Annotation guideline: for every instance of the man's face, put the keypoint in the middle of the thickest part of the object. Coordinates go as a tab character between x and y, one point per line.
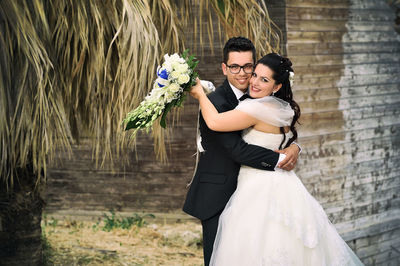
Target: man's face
241	79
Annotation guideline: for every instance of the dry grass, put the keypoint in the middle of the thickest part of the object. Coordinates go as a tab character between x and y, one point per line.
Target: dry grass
85	243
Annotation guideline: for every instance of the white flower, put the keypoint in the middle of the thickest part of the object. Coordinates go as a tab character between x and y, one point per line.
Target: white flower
175	65
162	82
291	78
182	68
169	97
183	79
155	94
174	88
175	74
167	66
176	58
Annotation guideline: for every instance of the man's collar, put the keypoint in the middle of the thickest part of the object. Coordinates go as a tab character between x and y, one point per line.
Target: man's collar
238	93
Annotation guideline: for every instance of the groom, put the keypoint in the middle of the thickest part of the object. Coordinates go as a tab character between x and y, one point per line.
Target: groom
215	179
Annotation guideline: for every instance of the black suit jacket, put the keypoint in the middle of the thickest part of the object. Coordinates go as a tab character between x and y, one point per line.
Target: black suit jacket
216	177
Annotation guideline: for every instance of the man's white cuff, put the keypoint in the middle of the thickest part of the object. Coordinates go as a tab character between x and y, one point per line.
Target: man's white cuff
297	146
199	146
281	158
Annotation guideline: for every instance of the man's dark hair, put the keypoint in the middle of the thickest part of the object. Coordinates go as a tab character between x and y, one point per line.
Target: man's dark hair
238	44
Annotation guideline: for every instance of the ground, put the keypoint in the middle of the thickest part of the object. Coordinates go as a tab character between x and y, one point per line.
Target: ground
115	241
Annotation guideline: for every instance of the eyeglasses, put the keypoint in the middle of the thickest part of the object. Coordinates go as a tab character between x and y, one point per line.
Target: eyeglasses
235	69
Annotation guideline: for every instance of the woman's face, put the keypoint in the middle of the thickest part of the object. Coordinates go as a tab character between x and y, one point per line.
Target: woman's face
261	83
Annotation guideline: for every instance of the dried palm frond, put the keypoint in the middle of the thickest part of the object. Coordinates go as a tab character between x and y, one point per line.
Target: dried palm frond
31	110
108	62
169	26
73	69
70	70
248	18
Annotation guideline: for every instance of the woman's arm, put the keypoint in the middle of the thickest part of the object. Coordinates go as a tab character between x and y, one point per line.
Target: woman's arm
227	121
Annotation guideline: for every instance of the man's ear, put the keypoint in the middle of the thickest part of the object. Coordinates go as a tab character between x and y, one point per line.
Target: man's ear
224	68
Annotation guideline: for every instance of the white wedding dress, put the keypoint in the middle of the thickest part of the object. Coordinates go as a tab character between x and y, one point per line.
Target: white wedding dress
272	219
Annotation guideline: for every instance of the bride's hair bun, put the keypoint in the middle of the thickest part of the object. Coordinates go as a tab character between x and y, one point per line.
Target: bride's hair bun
286	64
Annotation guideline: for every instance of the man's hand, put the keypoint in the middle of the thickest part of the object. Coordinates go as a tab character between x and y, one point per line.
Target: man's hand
292	154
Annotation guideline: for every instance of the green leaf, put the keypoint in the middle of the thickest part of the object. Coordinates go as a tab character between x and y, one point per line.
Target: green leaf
164	115
180	100
130	125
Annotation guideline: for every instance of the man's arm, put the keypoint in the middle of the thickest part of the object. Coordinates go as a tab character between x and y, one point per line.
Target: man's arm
256	156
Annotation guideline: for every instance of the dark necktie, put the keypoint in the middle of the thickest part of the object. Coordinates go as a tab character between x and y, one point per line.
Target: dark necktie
245	96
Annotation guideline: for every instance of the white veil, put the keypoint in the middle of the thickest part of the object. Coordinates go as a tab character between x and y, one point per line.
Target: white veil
269	109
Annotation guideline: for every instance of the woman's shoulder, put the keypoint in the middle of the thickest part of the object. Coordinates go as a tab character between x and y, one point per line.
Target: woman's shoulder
269	110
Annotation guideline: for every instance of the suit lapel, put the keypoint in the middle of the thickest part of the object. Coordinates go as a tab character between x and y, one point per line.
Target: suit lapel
230	95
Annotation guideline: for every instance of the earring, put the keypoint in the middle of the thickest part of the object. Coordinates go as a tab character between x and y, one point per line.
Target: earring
273	93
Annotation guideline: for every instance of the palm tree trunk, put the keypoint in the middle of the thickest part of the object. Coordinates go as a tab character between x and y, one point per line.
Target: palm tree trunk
20	217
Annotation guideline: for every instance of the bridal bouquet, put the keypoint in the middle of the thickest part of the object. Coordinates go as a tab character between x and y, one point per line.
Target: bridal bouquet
175	76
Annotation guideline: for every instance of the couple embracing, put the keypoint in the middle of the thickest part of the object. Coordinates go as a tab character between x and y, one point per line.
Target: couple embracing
253	208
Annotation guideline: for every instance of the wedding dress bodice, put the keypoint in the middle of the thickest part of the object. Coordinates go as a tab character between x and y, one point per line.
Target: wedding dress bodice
267	140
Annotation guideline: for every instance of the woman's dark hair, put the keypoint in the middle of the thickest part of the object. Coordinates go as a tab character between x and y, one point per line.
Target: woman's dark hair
281	66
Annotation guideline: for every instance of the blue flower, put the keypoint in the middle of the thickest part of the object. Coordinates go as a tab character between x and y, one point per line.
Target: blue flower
162	74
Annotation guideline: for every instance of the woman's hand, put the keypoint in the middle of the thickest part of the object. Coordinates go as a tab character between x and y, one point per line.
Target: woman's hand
197	90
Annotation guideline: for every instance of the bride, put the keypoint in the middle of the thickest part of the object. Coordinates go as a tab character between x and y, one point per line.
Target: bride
271	219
